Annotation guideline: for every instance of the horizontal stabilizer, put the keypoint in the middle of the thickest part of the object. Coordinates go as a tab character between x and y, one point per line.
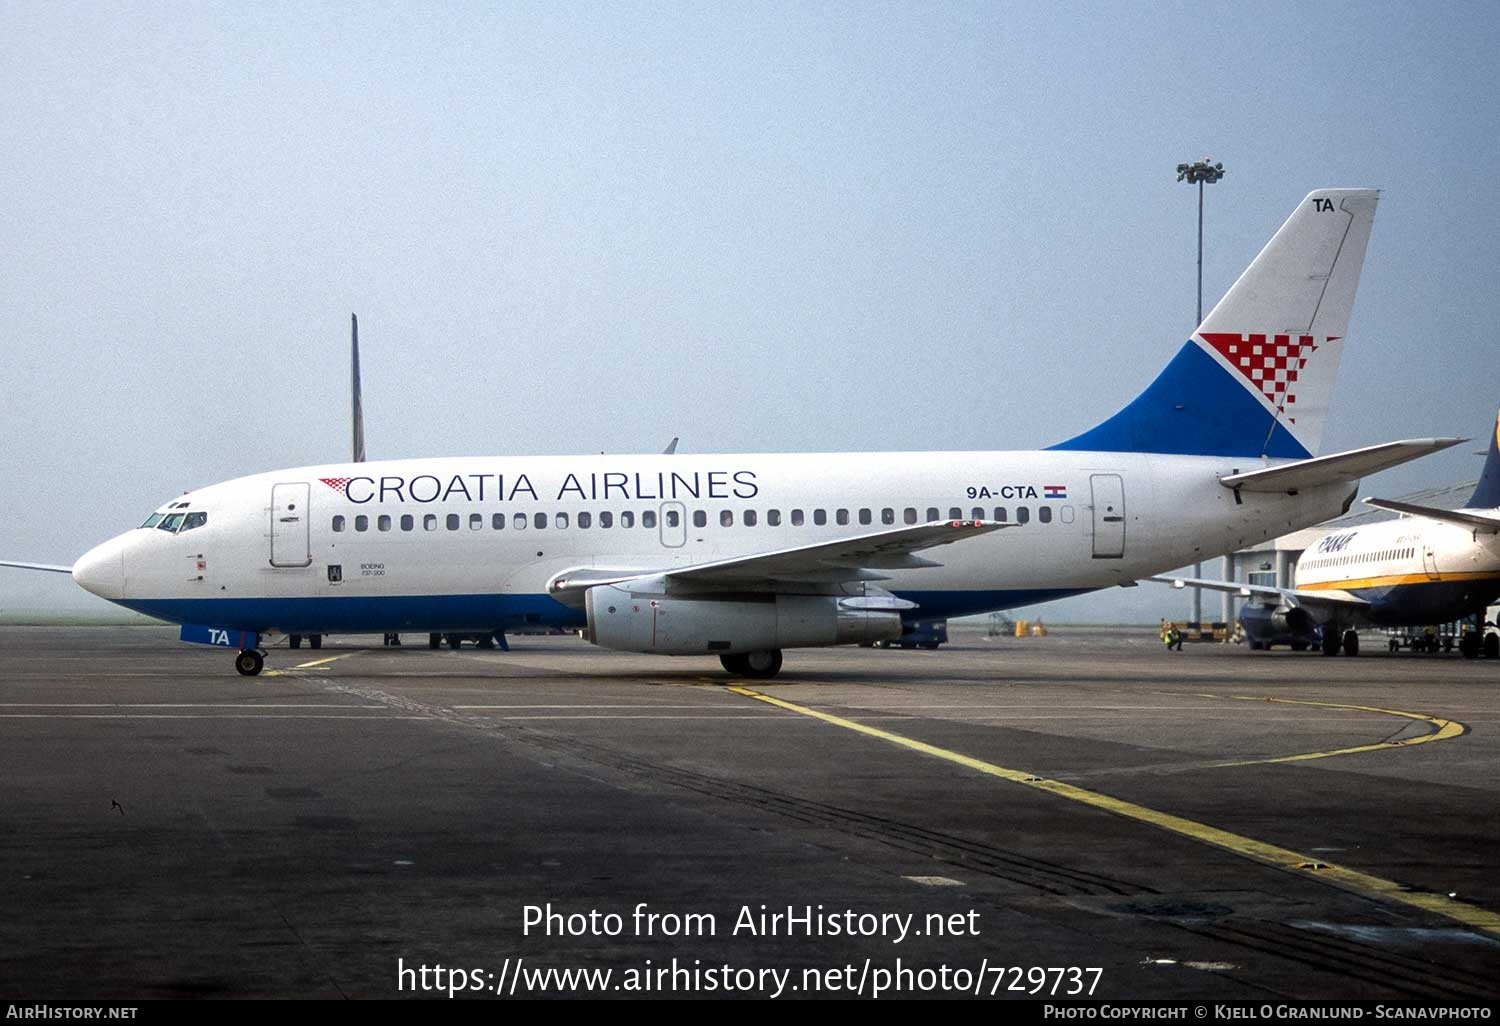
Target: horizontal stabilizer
1340	466
1484	523
49	567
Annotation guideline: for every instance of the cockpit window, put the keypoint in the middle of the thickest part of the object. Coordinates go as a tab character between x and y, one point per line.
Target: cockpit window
153	520
193	520
170	523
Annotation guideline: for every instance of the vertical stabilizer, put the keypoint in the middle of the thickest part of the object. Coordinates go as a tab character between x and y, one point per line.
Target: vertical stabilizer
1256	379
1487	492
356	406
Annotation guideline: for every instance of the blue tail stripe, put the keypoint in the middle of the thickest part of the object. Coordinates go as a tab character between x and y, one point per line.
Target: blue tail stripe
1487	492
1193	408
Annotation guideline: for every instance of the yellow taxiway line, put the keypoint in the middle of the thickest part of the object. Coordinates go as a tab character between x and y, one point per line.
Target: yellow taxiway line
1259	851
1445	730
308	666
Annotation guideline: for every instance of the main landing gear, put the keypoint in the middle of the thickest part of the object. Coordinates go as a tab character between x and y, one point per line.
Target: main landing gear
1333	641
250	662
757	665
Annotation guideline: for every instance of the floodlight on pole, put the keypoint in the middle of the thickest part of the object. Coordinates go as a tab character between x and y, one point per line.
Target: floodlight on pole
1200	173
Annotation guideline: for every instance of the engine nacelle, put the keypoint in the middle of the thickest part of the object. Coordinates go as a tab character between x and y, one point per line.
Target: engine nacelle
747	622
1292	620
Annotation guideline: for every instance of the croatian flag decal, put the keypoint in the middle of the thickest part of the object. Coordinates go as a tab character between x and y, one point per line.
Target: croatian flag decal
1054	491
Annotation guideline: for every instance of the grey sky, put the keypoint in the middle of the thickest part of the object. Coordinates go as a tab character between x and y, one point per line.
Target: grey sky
575	227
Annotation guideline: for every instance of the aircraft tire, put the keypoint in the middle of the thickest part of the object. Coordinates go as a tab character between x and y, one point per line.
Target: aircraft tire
1332	643
763	665
249	663
1468	645
488	641
294	640
932	646
455	641
434	641
735	663
1351	643
315	640
1492	646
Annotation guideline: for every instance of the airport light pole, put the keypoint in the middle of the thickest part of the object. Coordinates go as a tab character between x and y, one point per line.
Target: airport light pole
1199	173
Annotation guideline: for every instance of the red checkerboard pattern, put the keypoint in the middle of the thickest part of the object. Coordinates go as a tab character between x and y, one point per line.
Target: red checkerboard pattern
1270	363
338	484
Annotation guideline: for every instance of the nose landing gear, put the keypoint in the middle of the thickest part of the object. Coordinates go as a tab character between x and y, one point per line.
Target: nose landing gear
249	662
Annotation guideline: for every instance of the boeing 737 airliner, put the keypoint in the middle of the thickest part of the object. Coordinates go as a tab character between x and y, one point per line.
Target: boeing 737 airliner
1431	566
742	556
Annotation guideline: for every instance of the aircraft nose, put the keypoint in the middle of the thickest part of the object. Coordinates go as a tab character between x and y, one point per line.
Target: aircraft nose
101	569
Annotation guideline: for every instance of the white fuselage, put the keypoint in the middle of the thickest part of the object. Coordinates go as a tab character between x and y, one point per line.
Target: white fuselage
1411	571
472	543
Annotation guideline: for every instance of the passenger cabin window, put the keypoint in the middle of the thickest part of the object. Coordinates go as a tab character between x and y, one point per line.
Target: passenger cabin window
361	523
750	518
648	518
452	521
954	513
888	516
1044	514
627	519
933	514
726	518
1023	514
672	517
193	520
978	513
518	521
429	522
865	516
384	522
560	521
773	518
408	522
820	517
700	518
909	515
539	521
796	518
497	522
606	520
585	521
841	517
476	521
338	523
1000	514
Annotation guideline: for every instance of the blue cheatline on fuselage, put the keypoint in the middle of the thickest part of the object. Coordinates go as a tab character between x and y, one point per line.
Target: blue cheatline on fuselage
1193	408
1400	605
485	612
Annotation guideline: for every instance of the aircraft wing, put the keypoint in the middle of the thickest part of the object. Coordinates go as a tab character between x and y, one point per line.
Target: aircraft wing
51	567
1484	523
1296	597
855	558
1338	466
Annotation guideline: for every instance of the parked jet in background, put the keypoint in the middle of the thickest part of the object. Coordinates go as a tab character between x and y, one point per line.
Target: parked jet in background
1430	566
742	556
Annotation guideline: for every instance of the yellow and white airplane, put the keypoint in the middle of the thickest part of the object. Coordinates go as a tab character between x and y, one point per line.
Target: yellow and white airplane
1429	566
742	556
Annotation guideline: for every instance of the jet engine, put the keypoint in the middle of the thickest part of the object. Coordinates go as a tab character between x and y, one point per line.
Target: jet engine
630	620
